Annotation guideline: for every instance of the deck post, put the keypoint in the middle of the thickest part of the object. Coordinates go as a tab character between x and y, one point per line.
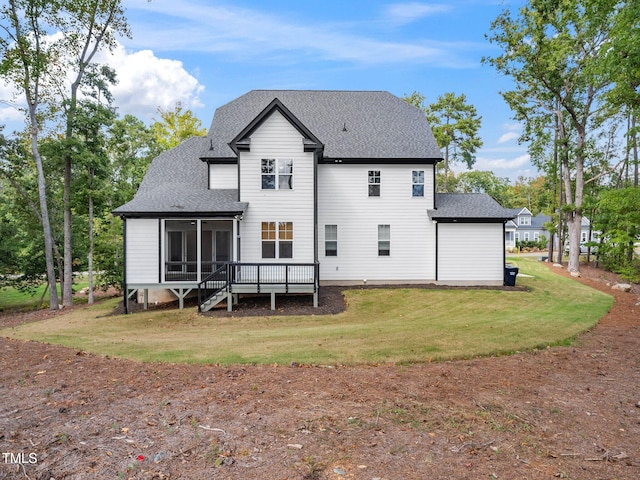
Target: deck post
181	293
146	299
229	301
273	300
315	299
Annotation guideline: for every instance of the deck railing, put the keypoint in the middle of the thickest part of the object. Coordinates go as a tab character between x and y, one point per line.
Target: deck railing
258	274
188	271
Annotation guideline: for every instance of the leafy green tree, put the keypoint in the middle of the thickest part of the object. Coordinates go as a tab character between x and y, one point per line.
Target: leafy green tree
455	124
552	51
534	193
618	219
484	182
25	63
176	126
88	27
130	147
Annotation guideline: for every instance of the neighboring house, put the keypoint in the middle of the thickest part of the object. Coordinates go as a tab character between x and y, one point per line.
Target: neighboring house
525	227
294	189
528	227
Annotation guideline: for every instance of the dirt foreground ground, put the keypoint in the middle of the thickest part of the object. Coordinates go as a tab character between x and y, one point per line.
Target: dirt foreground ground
564	412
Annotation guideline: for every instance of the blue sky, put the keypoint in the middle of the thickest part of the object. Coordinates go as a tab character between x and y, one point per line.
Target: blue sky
205	53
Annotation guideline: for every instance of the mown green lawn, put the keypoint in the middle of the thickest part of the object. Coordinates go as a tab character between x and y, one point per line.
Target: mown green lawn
12	299
379	326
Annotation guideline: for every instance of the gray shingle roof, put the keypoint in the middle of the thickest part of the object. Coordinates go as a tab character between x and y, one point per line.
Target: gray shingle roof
468	206
176	182
378	124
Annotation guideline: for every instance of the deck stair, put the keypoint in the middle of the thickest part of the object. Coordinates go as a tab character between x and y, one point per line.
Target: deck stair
214	289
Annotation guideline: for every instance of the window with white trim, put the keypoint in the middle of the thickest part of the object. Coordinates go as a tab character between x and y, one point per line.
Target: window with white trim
277	239
384	240
526	236
374	183
536	236
524	220
331	240
277	174
417	183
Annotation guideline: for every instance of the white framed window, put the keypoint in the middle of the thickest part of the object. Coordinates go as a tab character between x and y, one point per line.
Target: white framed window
331	240
524	220
517	236
417	183
583	236
384	240
374	183
277	174
526	236
536	236
277	239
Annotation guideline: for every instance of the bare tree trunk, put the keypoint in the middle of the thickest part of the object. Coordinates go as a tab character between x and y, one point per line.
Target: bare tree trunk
635	152
44	210
575	217
90	254
67	287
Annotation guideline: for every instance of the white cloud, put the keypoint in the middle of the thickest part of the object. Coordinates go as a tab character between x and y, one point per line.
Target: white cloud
404	13
146	82
10	115
507	137
484	163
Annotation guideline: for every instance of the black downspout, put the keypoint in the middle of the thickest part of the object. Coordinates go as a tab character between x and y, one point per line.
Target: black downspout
436	250
160	257
315	212
504	250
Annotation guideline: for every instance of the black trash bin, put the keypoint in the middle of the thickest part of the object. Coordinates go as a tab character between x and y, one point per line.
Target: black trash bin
510	273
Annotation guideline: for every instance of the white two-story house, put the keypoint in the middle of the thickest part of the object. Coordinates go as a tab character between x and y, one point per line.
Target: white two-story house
291	190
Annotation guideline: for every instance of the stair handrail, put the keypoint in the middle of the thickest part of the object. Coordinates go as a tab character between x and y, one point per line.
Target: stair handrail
202	286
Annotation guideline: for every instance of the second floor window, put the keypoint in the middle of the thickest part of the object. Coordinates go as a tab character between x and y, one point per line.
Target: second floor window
374	183
417	183
524	220
277	174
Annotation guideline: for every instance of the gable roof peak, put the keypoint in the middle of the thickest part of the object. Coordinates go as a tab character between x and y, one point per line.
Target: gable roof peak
379	124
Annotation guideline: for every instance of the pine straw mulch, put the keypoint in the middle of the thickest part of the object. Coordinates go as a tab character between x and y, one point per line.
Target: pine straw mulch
562	412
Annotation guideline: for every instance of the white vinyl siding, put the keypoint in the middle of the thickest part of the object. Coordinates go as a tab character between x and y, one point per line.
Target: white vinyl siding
142	247
343	201
460	262
223	176
276	138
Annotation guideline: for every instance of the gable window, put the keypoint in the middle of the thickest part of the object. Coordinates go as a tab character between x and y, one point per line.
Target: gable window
277	239
331	240
277	174
384	240
417	183
524	220
374	183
